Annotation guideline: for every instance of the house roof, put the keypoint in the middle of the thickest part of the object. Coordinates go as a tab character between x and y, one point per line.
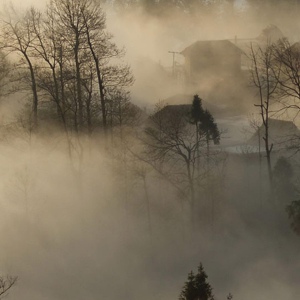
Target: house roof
182	109
216	45
181	99
280	131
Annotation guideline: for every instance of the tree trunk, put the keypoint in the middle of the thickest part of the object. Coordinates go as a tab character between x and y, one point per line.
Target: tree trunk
148	206
99	79
34	92
78	83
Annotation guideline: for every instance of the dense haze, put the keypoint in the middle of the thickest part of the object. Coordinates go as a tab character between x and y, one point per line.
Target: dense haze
77	227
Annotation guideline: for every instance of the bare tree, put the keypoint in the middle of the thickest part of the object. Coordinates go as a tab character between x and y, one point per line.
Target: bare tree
287	56
82	26
256	125
16	37
70	26
172	148
46	50
264	78
102	49
71	59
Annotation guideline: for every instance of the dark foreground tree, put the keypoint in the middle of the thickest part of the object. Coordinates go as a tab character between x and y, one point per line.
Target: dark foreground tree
197	287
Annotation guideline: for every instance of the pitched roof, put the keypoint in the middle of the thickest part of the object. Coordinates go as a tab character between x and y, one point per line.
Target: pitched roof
219	45
180	99
180	109
280	131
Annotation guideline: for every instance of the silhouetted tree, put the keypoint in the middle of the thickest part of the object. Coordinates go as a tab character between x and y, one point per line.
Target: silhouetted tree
120	111
196	117
197	110
70	60
263	76
197	287
205	124
189	291
17	37
209	129
287	60
172	147
110	78
206	129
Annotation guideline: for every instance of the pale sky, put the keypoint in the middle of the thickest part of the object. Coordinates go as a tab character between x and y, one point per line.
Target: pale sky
25	3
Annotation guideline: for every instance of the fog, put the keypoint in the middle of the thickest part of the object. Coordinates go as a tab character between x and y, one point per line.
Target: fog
76	226
71	239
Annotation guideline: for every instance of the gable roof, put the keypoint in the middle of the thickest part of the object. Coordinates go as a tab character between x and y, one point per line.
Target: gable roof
214	45
179	110
280	131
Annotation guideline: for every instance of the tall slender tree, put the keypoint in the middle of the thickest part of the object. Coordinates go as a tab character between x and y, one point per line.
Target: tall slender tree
196	118
17	37
263	76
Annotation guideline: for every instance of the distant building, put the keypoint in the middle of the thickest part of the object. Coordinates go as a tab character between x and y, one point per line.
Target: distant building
282	134
218	70
223	58
179	112
212	58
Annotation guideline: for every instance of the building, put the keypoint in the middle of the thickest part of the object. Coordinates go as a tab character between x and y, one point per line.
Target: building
212	58
282	134
223	58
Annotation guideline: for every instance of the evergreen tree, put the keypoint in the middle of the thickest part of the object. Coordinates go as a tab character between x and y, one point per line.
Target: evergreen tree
209	128
204	290
196	117
197	110
204	121
189	291
197	287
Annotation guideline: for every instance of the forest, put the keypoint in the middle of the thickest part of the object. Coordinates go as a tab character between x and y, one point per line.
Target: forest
150	149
